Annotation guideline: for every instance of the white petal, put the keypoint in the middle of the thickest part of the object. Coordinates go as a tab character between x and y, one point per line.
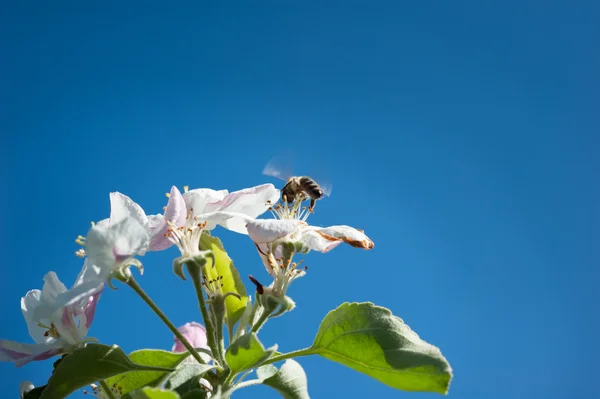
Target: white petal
105	248
52	287
269	230
198	199
253	201
230	220
121	207
29	303
88	272
323	238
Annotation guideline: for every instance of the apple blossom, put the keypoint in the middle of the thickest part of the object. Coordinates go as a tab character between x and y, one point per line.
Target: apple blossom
55	329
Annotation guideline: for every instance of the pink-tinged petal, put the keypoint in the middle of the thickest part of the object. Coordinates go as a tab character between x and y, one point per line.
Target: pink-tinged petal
19	353
199	198
29	304
71	297
269	230
175	213
195	333
122	207
316	237
253	201
90	307
65	326
25	387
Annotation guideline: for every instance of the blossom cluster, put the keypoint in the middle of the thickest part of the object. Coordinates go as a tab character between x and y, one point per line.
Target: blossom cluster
58	318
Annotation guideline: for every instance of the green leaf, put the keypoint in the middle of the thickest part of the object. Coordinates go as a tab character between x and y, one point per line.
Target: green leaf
246	353
371	340
290	380
154	393
148	357
231	278
187	376
89	364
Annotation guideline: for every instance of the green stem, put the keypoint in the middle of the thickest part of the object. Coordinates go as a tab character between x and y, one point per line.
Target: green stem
289	355
247	384
138	290
261	320
107	390
229	380
195	272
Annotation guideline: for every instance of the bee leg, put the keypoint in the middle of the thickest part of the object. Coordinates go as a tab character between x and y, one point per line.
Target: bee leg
311	208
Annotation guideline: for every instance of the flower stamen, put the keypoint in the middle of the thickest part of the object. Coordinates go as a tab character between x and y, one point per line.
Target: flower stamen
80	240
51	330
212	287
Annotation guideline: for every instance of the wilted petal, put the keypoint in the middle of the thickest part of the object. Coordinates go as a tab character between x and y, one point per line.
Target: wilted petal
253	201
175	213
29	303
199	198
195	333
25	387
21	354
324	239
269	230
122	207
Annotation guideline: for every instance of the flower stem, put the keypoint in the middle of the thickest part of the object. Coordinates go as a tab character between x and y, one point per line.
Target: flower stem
289	355
261	320
195	271
138	290
106	389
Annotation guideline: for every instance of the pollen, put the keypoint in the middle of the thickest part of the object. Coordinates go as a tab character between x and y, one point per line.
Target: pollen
80	253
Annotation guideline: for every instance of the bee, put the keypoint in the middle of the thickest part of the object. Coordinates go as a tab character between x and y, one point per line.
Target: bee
297	187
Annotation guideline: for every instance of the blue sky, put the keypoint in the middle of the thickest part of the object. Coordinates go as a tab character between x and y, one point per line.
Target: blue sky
461	136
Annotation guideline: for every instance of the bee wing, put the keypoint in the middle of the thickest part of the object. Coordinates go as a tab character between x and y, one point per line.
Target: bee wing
326	188
279	167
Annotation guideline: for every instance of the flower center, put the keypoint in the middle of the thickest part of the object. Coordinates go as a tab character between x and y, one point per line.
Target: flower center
284	272
186	237
295	211
212	287
51	330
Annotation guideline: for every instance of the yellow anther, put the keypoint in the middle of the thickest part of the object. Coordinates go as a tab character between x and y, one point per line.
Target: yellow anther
80	253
